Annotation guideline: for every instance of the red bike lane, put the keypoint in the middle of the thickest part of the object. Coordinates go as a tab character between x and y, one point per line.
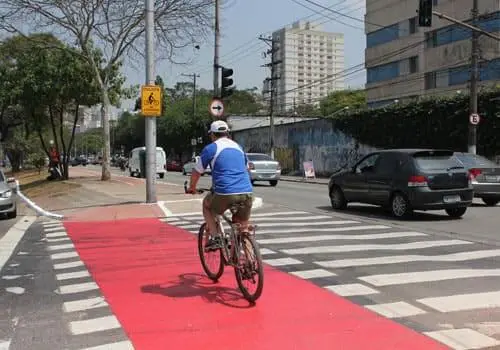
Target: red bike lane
151	276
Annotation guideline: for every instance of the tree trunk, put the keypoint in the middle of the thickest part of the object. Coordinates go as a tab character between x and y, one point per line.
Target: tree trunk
106	154
15	159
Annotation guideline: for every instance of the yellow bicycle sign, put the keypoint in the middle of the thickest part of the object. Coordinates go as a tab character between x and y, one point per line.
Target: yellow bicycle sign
151	100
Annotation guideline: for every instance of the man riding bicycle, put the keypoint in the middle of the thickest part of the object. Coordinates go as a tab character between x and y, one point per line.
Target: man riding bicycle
231	182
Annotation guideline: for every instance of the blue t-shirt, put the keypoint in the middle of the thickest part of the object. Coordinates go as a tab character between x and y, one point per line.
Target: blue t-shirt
229	167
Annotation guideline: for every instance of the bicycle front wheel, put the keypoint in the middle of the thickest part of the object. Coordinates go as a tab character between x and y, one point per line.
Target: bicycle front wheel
211	258
249	270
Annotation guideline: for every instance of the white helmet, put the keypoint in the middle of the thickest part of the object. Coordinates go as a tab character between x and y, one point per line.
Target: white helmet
218	126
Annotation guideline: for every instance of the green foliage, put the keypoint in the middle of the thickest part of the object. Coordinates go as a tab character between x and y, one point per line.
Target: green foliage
430	123
335	101
47	81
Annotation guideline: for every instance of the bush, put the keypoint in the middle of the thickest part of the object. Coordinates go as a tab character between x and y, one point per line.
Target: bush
430	123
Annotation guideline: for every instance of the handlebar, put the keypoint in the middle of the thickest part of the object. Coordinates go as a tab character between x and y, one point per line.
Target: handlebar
198	190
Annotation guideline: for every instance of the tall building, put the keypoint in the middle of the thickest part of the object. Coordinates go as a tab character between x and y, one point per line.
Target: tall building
405	61
311	67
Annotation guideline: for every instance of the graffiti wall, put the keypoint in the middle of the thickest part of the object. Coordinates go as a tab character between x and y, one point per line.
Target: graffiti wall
316	140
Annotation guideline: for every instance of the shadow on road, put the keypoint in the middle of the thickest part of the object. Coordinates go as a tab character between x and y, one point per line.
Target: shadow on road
193	285
375	212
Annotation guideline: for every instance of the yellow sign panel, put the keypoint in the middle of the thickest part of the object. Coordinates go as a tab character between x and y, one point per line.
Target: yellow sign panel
151	100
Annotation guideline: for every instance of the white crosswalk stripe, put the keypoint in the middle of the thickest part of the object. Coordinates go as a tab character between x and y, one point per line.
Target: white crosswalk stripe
401	274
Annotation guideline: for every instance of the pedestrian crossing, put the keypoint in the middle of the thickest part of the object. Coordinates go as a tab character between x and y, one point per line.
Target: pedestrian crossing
75	314
446	288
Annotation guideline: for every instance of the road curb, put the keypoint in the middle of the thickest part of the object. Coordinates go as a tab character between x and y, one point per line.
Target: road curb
39	210
304	181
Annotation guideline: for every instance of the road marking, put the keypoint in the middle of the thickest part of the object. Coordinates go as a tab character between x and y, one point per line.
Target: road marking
70	275
68	265
78	288
4	344
12	237
61	246
391	279
170	219
15	290
65	255
462	338
282	262
259	215
352	289
85	304
398	259
309	224
163	208
53	229
122	345
61	239
188	227
463	302
326	229
395	310
367	247
52	224
317	273
94	325
265	251
56	234
340	237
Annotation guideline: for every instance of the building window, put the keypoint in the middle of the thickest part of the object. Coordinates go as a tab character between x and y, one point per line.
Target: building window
430	80
413	25
458	76
383	72
454	33
413	64
382	36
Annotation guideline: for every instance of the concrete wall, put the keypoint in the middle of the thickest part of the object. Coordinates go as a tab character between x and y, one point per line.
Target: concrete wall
296	143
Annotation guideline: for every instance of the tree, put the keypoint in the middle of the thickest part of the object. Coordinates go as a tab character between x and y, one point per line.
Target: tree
10	113
335	101
114	29
53	85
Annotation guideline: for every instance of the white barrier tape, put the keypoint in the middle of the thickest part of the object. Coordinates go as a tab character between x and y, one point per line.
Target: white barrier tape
35	207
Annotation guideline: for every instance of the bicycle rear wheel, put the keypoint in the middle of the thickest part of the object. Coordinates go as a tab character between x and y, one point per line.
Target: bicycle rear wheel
216	269
249	268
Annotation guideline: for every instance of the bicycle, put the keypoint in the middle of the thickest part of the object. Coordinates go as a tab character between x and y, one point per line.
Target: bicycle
229	248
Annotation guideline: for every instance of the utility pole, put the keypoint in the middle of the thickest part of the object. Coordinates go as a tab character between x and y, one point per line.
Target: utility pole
150	121
474	77
194	75
216	50
272	89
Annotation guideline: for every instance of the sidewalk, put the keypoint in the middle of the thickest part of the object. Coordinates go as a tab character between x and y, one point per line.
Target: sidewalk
86	198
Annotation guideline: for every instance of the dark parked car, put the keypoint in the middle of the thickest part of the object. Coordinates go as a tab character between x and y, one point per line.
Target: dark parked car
404	180
485	176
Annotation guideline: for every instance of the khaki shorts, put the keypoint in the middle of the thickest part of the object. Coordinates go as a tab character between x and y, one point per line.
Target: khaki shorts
218	204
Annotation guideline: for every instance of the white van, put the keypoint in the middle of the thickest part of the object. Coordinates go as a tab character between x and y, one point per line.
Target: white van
134	162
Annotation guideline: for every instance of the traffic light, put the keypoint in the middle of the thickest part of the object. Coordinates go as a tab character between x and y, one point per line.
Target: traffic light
425	13
226	88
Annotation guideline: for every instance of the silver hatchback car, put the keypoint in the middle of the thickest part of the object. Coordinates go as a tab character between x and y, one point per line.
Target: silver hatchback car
264	168
8	205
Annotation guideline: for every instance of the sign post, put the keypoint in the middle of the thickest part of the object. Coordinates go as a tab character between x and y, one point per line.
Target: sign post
151	100
216	108
474	119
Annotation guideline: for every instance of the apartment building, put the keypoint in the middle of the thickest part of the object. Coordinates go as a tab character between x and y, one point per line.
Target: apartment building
404	61
312	62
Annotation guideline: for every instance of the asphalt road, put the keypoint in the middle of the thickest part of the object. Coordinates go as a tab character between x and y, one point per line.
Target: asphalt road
479	224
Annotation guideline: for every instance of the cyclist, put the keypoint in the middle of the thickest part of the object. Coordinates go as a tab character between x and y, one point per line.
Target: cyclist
231	182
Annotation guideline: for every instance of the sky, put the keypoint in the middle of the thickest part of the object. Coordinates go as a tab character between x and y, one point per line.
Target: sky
243	21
